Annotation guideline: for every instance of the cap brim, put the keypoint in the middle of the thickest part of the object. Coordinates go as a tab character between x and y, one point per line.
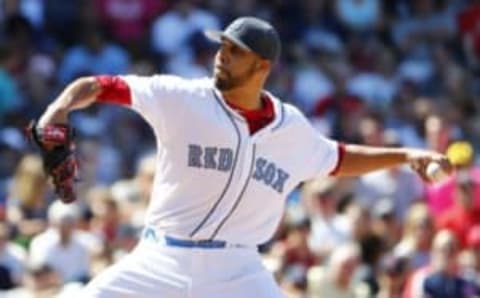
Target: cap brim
216	36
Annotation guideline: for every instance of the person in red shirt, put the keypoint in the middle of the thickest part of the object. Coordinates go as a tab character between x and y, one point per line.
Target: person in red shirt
128	21
469	31
464	214
473	243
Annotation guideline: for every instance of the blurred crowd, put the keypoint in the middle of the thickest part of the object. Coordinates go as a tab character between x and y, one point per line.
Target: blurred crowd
383	73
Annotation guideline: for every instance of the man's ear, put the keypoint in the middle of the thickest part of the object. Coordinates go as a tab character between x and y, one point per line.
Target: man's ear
263	65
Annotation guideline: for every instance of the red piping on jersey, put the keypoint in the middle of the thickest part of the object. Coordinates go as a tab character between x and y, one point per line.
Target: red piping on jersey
341	155
114	90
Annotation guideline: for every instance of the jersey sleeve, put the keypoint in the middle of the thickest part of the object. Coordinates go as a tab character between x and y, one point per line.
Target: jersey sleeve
149	94
156	98
323	155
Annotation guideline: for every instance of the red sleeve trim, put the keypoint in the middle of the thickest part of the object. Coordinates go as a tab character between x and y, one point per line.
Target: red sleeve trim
114	90
341	155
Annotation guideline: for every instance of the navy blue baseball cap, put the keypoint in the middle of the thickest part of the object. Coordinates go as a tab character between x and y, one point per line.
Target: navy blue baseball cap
252	34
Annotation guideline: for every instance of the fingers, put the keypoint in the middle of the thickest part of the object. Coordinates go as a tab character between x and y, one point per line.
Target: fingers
420	160
419	165
446	165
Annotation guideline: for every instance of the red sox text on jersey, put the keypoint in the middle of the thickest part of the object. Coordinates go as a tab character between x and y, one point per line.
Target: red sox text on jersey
221	159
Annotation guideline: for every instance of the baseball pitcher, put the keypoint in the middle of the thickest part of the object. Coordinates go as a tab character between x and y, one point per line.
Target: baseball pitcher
229	153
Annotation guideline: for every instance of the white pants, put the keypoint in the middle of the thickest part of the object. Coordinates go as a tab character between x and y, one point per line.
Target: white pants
160	271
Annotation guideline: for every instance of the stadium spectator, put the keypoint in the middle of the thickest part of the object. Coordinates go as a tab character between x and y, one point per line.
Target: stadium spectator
128	21
60	247
28	197
328	229
13	260
396	73
444	279
392	276
62	18
384	222
296	257
440	197
40	281
467	22
9	93
361	16
401	184
95	55
473	244
463	215
417	236
171	30
336	280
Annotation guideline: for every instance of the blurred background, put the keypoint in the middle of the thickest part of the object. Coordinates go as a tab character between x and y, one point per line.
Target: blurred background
389	73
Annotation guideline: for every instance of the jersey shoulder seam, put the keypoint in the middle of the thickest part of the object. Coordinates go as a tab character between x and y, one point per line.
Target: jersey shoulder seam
282	117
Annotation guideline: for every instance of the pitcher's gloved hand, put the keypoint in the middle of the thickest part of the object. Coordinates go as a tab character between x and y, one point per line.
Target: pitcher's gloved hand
55	142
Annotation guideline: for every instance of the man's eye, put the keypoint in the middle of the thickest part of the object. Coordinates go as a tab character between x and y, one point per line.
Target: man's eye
236	51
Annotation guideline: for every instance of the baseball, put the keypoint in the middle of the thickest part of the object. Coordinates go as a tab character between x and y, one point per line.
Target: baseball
435	172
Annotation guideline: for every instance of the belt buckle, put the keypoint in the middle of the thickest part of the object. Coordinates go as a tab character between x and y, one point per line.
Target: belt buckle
207	243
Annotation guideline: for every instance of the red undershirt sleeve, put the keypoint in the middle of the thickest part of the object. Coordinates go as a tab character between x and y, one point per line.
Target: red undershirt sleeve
114	90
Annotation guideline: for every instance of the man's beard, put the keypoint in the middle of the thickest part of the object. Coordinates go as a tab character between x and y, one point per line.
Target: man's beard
223	84
228	82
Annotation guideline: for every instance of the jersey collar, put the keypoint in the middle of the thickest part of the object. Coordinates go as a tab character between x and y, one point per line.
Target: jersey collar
277	108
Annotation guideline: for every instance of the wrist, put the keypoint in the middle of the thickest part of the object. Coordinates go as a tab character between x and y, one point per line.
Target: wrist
53	115
407	154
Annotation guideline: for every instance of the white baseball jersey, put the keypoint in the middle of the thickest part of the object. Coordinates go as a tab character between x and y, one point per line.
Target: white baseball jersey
214	180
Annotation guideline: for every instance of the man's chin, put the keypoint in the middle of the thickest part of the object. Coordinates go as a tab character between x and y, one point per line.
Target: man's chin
221	84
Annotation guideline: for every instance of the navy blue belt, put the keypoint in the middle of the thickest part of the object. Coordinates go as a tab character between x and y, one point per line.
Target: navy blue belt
150	233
